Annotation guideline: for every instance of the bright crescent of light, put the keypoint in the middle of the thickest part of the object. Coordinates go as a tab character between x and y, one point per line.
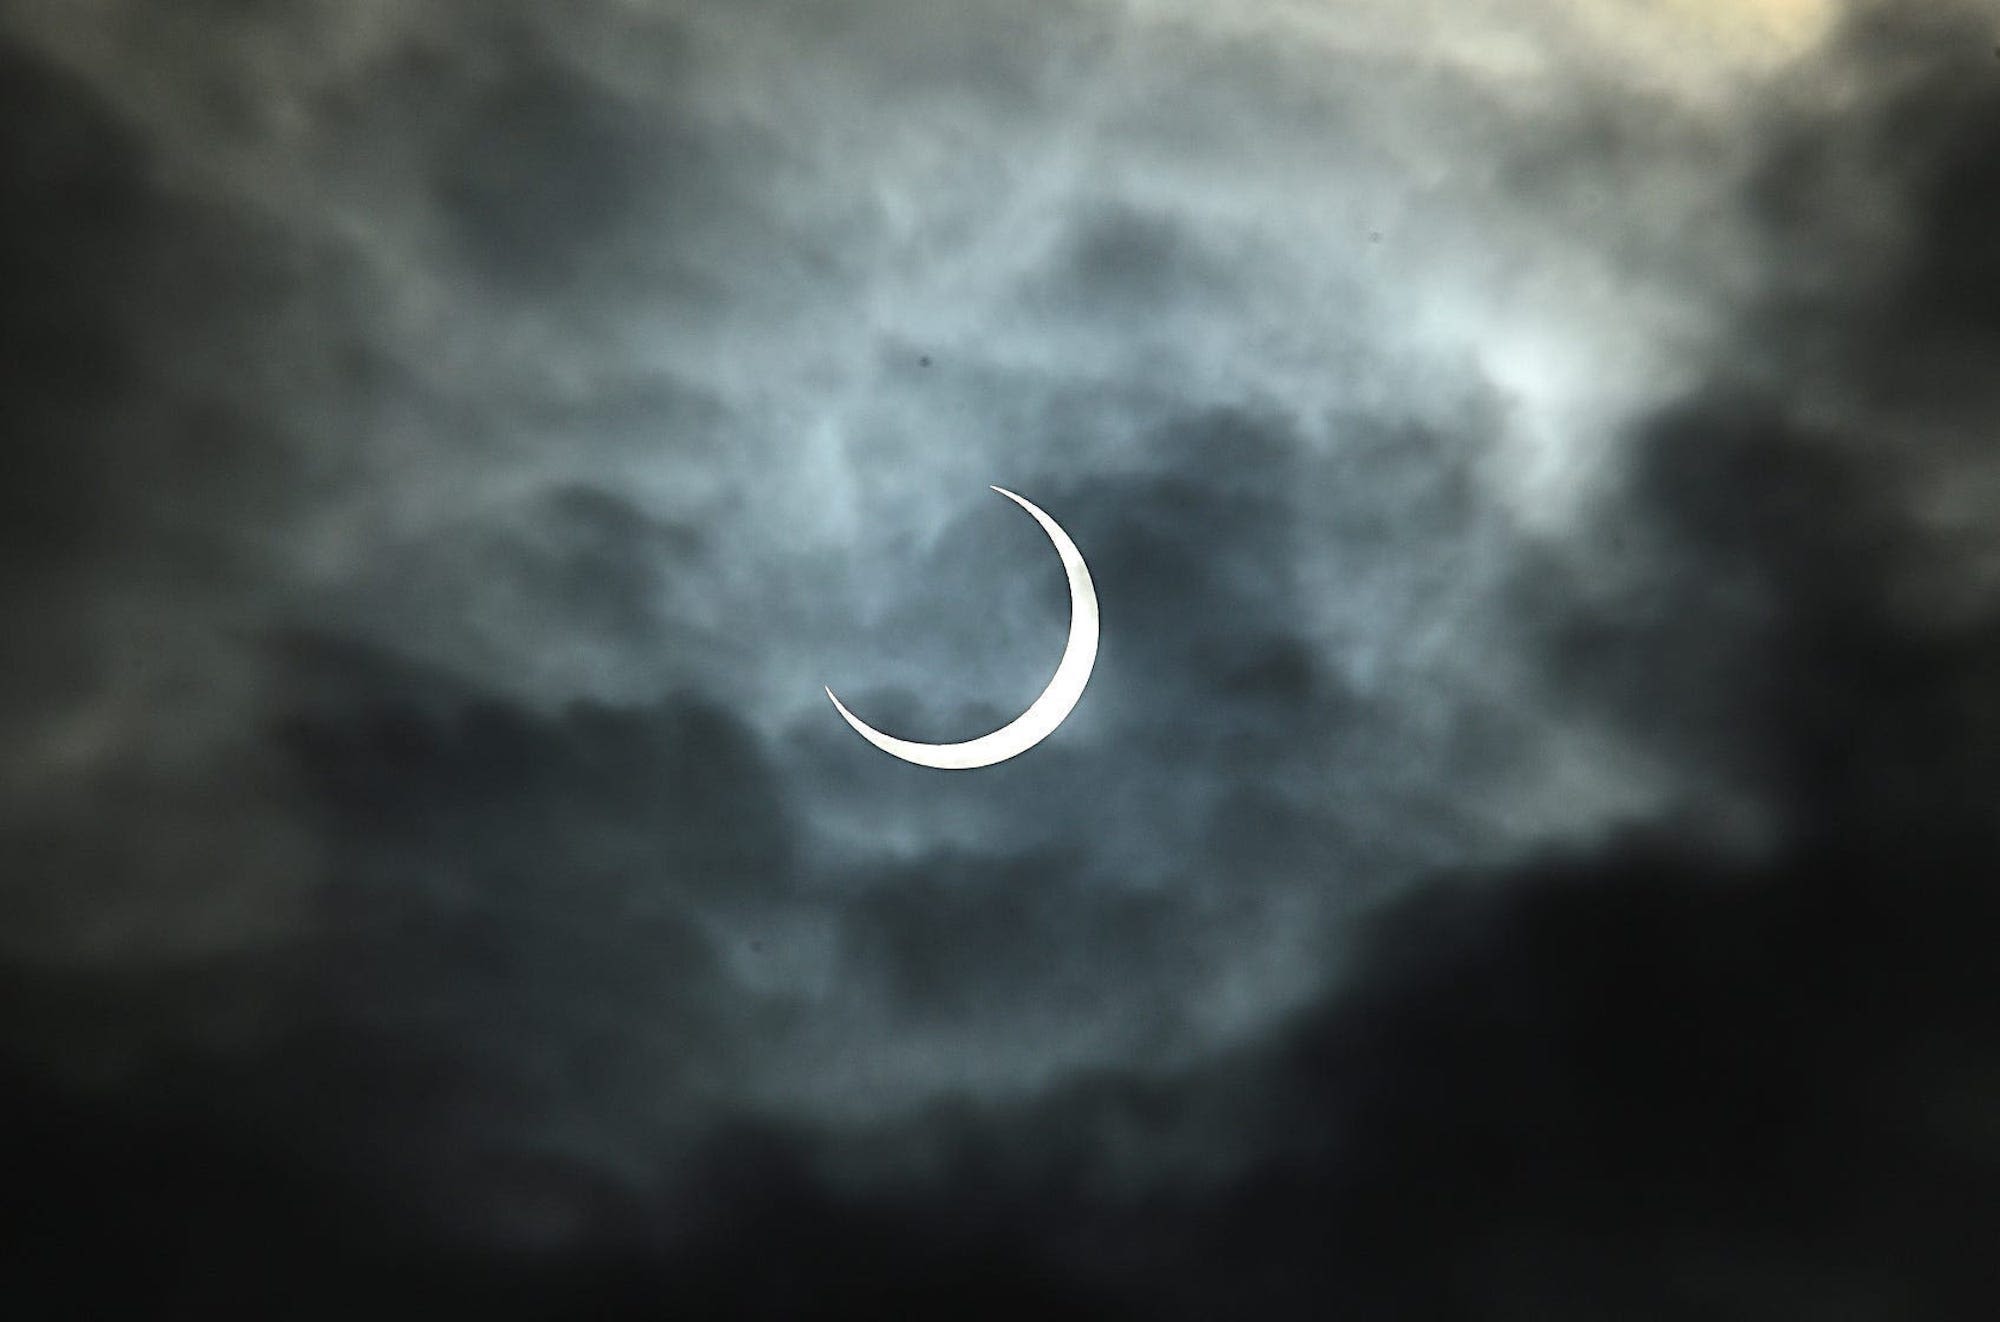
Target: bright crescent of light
1046	712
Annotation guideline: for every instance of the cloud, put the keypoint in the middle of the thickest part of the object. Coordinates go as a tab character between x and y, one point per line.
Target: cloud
1534	486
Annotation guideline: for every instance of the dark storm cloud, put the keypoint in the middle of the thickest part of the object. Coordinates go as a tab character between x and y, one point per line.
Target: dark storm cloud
459	441
132	481
541	176
1127	263
551	909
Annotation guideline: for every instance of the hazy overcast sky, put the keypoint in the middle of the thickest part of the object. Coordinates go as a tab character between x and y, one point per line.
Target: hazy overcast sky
1537	461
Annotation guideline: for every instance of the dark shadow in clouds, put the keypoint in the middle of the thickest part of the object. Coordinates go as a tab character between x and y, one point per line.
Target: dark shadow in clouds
542	177
124	456
1915	326
527	916
1123	266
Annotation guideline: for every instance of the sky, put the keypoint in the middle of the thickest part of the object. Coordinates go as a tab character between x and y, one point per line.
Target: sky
1525	849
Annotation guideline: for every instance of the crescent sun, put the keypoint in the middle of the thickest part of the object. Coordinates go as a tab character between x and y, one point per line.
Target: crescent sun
1046	712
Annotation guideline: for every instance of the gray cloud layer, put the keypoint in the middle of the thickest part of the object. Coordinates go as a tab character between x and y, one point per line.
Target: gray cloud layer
456	442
